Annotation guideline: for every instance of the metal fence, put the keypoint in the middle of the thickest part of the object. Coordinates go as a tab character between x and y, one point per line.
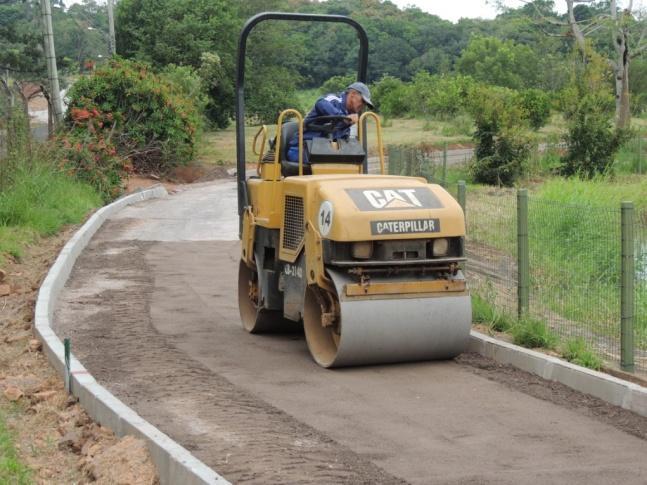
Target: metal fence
564	265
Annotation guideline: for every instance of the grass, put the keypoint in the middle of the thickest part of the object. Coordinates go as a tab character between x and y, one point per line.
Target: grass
577	352
38	202
487	314
574	237
533	333
11	469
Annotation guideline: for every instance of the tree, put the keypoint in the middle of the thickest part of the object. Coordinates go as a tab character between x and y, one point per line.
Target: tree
500	62
180	32
619	35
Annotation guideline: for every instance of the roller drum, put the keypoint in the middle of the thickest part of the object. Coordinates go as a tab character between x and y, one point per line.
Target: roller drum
376	331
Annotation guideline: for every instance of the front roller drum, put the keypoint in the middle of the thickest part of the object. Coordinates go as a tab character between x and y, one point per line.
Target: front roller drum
379	331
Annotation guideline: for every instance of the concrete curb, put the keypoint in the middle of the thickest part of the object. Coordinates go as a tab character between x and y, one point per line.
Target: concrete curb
174	463
608	388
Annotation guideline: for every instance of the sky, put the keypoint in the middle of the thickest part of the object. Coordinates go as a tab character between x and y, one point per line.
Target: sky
455	9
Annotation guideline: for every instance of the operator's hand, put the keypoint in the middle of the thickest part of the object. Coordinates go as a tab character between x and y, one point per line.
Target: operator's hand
352	118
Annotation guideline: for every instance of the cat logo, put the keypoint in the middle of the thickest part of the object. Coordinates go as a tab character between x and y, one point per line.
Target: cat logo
394	199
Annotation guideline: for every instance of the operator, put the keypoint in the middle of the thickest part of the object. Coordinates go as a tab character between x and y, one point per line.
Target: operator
350	103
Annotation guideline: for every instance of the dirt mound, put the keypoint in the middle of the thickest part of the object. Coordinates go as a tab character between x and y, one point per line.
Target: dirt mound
125	462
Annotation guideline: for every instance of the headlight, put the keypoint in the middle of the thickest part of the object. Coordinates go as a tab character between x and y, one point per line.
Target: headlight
362	250
441	246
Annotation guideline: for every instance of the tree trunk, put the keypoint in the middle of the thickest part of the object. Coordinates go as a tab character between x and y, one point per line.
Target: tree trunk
623	101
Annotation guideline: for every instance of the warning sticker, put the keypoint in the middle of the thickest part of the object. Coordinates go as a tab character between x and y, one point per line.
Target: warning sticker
407	226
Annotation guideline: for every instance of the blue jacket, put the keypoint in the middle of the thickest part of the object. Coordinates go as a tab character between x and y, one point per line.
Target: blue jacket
330	104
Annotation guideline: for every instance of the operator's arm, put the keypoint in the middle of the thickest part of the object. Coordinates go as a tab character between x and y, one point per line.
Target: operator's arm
329	105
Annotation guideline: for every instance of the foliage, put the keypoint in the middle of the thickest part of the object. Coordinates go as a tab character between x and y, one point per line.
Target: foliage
200	33
123	115
532	333
577	352
501	146
40	199
536	104
20	39
500	62
588	108
337	84
440	96
392	97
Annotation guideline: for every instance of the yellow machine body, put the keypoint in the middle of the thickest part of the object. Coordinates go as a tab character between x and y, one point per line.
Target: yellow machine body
370	263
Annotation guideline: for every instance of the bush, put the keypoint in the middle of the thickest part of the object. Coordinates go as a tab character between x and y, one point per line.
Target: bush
536	104
440	96
392	97
337	84
588	109
502	148
577	352
124	116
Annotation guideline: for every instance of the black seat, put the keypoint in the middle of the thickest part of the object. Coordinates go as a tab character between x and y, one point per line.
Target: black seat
290	129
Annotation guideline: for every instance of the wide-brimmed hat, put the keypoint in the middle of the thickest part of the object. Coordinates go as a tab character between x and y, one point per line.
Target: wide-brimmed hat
362	89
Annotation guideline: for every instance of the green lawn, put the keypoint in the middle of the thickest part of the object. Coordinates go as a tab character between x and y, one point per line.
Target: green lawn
39	201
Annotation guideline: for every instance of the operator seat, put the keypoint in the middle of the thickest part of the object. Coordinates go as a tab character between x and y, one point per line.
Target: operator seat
289	168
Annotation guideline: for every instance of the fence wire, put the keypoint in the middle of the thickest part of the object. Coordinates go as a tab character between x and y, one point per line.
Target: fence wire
575	273
491	248
640	300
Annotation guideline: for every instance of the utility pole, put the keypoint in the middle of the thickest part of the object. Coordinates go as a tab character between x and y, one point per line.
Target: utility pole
50	54
112	45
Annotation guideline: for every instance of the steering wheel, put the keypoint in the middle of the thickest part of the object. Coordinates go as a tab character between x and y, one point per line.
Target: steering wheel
326	124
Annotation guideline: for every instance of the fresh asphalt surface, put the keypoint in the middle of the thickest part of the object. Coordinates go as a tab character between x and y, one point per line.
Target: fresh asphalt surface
151	310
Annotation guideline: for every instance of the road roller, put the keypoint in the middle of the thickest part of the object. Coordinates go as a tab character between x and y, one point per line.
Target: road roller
369	264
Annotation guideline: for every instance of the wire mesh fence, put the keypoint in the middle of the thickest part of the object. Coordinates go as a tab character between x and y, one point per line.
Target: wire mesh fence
575	273
428	161
491	246
640	301
574	257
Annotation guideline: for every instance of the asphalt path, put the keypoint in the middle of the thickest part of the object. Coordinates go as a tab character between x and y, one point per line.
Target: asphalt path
151	309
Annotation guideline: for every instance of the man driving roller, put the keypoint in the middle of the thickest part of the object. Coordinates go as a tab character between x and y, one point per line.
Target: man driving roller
349	104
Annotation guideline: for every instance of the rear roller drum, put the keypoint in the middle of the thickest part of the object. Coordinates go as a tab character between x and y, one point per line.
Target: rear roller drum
255	318
322	335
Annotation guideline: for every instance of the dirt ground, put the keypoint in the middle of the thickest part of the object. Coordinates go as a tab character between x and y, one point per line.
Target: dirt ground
54	437
151	309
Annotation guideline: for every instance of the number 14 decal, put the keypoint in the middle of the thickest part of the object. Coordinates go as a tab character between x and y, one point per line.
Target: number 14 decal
325	217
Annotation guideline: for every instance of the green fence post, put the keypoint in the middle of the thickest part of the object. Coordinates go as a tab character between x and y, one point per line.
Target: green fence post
627	288
444	180
461	194
640	155
68	375
523	254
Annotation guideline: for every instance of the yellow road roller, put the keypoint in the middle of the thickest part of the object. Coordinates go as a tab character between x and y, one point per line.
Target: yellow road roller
369	263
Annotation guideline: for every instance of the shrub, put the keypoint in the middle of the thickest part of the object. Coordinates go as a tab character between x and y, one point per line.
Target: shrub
532	334
439	96
122	116
536	104
577	352
392	97
337	84
588	109
502	148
